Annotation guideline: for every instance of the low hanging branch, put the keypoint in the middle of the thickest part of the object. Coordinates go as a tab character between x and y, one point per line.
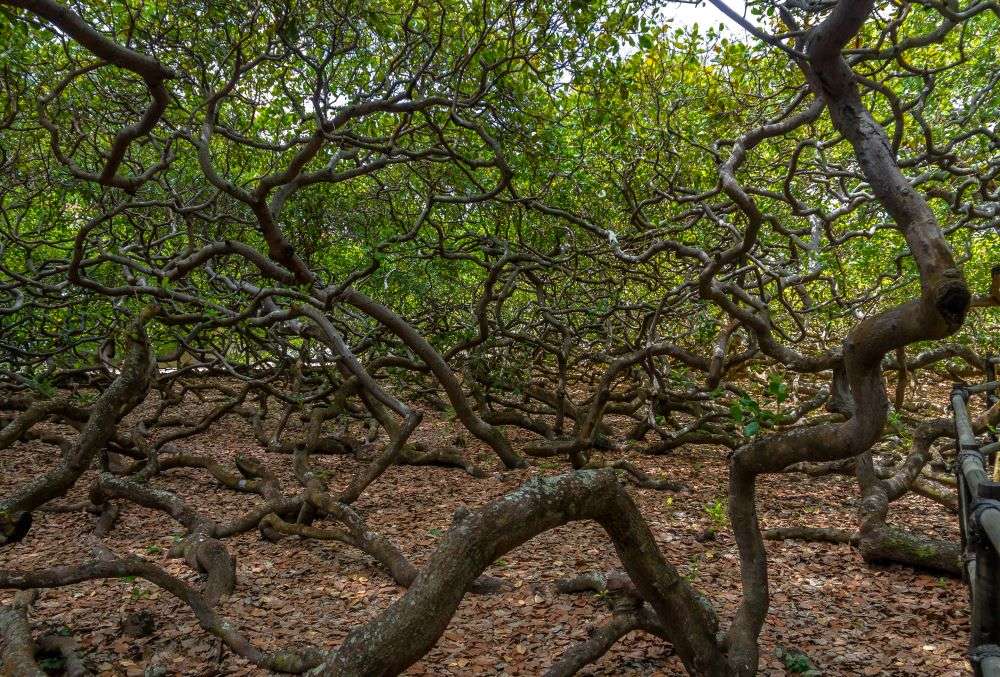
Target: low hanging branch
368	233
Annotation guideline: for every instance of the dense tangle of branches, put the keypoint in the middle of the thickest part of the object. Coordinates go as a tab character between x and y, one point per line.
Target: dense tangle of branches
328	218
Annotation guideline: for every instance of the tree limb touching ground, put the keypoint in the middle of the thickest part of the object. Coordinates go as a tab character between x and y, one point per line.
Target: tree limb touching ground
576	235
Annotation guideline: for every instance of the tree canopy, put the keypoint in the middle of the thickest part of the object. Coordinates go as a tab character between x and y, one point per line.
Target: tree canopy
578	229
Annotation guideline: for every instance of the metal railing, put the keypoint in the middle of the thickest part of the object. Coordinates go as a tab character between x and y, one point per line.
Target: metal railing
979	518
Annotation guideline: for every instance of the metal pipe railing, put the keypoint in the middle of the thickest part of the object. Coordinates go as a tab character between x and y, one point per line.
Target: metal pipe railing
979	519
991	399
989	520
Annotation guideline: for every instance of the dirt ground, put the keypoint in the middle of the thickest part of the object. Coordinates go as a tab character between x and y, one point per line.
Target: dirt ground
847	617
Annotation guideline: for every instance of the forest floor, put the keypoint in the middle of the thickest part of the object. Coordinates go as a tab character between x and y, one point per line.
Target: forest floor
848	617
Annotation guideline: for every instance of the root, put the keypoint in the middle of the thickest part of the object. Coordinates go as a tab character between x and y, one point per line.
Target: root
66	647
280	661
449	456
890	545
814	534
629	613
18	656
641	478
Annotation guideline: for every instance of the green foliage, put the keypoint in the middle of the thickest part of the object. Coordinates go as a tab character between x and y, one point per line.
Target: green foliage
44	387
52	663
579	109
536	188
797	662
747	414
718	512
777	389
693	569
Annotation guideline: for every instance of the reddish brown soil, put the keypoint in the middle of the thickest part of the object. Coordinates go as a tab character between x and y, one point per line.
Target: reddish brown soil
848	617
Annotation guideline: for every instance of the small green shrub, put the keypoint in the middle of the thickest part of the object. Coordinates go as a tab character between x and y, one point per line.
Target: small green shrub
717	512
